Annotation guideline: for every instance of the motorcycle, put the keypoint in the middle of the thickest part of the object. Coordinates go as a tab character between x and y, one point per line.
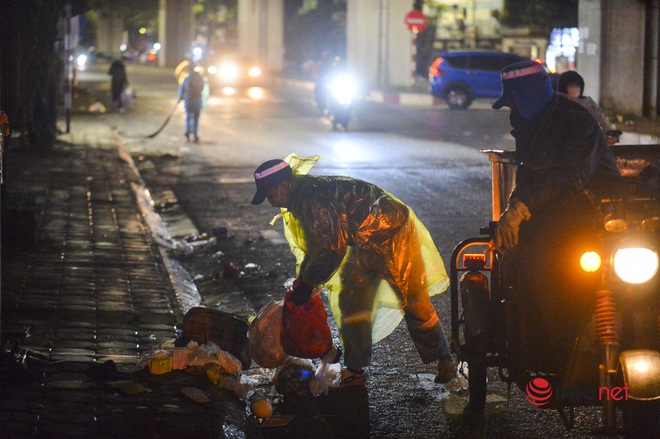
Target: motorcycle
342	91
613	360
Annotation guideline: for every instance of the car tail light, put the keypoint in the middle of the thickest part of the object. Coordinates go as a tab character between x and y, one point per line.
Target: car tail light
434	70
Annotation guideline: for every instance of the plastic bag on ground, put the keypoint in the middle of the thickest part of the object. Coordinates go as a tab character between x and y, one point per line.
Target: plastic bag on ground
211	354
264	336
228	362
327	374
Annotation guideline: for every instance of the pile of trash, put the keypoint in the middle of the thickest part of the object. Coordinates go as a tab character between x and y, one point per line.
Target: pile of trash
221	367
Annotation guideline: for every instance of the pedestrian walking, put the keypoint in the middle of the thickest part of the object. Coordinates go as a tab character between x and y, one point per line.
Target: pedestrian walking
118	81
190	91
350	236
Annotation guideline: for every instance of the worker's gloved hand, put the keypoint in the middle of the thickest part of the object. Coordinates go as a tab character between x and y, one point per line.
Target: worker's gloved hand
508	227
301	292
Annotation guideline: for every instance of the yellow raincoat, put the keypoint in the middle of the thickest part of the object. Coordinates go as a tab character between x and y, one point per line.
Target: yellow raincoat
331	220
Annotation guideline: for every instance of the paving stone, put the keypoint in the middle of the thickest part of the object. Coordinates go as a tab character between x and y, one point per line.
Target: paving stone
70	384
21	405
72	358
115	317
160	316
93	289
72	343
64	430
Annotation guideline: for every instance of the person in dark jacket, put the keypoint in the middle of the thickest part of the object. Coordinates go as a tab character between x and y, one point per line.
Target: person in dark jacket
190	91
354	235
118	81
571	84
563	164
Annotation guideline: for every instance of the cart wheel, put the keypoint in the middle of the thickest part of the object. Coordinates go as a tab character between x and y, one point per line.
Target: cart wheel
477	384
641	419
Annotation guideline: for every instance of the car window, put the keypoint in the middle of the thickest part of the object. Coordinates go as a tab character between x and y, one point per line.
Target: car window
508	60
458	62
488	63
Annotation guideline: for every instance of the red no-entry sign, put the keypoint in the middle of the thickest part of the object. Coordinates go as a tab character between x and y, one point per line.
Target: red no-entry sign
415	21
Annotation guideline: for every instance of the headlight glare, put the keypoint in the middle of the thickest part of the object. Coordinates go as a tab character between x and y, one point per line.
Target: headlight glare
635	265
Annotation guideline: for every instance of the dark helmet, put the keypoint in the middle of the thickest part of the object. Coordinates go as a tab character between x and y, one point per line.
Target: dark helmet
570	77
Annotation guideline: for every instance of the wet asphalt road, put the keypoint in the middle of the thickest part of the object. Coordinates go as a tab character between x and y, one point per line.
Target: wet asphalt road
428	157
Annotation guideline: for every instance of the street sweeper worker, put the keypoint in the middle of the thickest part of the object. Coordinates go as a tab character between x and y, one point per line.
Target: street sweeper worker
350	235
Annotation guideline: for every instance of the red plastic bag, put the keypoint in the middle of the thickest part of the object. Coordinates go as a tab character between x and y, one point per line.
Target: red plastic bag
305	330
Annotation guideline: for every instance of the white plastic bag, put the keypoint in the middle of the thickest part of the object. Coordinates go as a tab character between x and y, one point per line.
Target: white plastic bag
327	375
127	97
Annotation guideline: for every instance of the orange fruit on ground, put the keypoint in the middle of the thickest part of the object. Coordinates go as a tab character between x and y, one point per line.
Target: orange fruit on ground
261	408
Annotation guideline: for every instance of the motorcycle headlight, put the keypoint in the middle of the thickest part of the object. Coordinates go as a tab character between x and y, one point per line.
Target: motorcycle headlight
81	60
635	264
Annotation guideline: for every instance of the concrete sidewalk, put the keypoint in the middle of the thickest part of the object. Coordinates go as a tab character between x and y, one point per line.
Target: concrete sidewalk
90	286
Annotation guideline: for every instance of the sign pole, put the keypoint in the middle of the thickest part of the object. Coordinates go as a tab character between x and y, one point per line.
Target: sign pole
413	58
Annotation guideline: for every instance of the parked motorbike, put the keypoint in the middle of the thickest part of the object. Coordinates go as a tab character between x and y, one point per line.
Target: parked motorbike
613	361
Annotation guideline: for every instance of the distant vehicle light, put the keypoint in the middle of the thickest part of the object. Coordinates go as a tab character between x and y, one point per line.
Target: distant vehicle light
635	265
255	93
228	72
81	60
254	72
212	70
343	88
434	70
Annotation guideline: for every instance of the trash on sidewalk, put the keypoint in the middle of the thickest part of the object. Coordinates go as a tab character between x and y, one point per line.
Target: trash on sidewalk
195	394
261	407
128	387
461	381
160	365
228	331
299	378
237	384
192	245
264	336
308	336
208	355
97	107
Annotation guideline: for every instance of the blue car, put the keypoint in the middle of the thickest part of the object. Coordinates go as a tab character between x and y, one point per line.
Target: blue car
461	77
